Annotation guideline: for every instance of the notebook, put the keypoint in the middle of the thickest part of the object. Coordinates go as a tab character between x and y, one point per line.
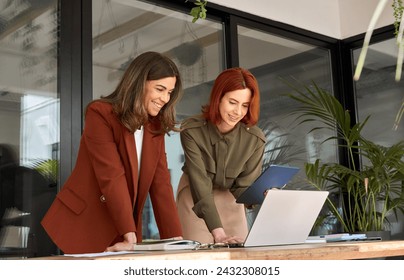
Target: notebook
275	176
285	217
166	245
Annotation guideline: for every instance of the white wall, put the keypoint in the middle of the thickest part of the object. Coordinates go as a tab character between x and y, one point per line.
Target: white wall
339	19
355	16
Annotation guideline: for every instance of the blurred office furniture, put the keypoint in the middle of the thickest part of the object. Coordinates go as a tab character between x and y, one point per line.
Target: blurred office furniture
25	195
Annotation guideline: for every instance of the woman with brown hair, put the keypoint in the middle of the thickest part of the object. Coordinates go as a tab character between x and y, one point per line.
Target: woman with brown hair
223	150
121	160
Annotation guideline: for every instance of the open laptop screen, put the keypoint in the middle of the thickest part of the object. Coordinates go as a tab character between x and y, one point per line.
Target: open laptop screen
286	217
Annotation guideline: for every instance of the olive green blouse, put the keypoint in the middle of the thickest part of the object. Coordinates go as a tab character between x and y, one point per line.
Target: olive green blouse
225	161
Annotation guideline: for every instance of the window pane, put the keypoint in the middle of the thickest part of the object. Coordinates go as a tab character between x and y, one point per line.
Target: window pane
378	94
29	121
274	60
124	29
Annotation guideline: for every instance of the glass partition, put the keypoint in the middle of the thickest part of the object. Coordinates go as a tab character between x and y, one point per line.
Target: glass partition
29	124
377	93
124	29
276	62
379	96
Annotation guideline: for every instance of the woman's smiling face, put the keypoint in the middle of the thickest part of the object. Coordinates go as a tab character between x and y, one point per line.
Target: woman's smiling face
233	107
158	94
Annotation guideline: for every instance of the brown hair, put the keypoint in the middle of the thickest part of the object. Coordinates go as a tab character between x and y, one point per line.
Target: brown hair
128	97
230	80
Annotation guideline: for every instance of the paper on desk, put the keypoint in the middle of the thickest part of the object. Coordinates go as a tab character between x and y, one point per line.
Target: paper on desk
315	239
90	255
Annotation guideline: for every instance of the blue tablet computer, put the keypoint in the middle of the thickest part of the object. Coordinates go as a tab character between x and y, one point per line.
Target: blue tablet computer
275	176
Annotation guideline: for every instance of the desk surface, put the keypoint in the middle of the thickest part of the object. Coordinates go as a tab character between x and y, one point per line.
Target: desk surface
320	251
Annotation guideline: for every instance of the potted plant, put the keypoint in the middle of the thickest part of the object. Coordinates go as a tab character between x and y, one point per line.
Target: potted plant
372	192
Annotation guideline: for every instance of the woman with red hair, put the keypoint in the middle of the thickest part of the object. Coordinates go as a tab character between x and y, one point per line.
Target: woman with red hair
223	150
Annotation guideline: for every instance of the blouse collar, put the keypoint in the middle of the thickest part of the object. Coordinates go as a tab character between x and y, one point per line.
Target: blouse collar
216	135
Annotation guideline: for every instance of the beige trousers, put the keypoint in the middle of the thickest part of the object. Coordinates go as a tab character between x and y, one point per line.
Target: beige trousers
232	214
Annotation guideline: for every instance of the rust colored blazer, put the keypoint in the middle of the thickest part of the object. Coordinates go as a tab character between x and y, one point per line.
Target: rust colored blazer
103	198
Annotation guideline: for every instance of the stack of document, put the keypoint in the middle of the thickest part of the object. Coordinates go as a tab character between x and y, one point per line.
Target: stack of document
345	237
166	244
337	237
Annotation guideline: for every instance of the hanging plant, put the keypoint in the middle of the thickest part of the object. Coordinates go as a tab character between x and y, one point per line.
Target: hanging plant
199	11
397	13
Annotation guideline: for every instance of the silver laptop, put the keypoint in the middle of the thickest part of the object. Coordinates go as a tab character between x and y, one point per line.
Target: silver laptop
285	217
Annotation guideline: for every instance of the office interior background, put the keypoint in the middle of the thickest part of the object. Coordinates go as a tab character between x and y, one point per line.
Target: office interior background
57	55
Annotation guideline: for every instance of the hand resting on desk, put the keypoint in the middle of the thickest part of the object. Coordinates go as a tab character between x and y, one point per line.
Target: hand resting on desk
220	236
128	242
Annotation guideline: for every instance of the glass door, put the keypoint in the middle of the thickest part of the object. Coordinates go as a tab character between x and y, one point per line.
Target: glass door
29	124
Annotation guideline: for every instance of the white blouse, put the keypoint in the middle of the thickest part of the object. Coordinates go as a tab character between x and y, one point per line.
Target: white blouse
139	142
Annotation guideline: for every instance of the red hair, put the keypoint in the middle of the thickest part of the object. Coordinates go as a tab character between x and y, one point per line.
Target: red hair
230	80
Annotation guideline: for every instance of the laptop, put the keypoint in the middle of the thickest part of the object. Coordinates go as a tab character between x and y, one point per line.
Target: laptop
275	176
285	217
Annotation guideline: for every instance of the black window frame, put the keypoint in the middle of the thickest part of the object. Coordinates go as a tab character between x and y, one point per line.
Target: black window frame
75	61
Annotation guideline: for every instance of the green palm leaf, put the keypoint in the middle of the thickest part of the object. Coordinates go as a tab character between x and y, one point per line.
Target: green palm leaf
370	193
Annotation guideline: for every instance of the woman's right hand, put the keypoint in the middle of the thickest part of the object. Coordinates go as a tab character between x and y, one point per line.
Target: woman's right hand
220	236
126	245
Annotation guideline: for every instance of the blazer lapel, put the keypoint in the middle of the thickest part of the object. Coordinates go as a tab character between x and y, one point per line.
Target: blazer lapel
129	139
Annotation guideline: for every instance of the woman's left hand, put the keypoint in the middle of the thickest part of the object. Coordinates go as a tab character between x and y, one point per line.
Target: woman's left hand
220	236
129	239
120	246
128	245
